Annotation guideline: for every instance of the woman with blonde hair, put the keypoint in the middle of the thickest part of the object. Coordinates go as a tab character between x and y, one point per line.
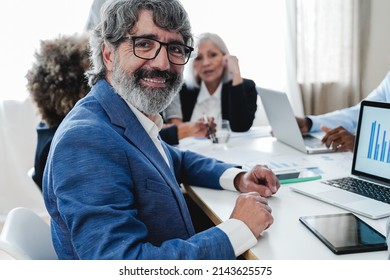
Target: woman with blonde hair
214	86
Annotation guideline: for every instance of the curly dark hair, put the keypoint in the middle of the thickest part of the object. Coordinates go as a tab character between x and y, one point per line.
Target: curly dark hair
57	78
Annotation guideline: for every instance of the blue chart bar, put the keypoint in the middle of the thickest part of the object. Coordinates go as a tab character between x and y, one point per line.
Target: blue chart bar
383	150
373	126
388	154
378	147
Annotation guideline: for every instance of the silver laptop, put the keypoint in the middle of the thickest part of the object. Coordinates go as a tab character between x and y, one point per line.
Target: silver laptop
367	190
284	125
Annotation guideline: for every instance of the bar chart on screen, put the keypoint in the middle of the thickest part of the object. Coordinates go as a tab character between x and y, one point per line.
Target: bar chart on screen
378	147
372	145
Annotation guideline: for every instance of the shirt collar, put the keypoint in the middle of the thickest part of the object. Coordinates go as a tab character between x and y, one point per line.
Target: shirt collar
151	123
204	94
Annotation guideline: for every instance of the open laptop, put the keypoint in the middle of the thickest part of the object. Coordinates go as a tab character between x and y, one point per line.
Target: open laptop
370	168
284	125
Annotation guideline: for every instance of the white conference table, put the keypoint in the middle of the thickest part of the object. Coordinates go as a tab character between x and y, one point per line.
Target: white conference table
287	238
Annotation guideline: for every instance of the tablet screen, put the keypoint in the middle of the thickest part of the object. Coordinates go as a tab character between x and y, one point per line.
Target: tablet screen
345	233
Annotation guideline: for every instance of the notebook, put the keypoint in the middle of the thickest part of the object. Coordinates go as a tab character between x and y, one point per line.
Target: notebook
370	168
284	125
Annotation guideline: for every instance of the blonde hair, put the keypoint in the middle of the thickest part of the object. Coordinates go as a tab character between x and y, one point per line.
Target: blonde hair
191	78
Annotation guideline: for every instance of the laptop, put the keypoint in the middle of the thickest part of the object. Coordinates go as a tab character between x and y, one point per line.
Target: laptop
366	191
284	125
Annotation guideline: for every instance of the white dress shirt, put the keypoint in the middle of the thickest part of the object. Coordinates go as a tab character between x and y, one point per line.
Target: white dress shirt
208	104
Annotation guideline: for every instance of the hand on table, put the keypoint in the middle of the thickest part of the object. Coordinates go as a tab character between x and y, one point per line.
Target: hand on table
253	210
196	129
259	179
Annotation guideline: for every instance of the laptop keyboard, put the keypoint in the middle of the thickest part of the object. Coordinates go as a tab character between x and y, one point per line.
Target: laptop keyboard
361	187
312	142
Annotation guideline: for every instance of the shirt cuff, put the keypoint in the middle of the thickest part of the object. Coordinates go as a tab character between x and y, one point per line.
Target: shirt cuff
240	236
227	178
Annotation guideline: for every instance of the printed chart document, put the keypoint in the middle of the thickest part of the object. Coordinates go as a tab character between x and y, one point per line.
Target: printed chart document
321	164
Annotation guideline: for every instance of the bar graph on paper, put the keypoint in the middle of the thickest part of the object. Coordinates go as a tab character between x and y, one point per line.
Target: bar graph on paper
379	145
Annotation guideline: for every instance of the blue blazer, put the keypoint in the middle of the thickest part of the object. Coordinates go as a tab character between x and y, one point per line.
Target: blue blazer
111	195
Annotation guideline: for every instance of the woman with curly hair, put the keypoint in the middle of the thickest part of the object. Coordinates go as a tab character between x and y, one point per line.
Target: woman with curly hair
56	82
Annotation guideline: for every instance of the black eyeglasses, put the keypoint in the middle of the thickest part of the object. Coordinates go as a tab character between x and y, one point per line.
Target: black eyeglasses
147	48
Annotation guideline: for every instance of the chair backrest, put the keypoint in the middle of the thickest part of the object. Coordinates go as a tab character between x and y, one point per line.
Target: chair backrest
26	236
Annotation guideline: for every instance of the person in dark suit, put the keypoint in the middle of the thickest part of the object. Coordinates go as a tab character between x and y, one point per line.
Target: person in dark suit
214	86
56	81
111	186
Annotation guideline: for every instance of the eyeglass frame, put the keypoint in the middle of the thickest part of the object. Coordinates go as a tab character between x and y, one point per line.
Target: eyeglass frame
134	38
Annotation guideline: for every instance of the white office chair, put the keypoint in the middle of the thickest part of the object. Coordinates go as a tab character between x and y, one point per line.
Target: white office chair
26	236
30	172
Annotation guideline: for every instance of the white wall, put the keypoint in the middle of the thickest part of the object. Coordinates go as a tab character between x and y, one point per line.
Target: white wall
23	24
18	139
378	59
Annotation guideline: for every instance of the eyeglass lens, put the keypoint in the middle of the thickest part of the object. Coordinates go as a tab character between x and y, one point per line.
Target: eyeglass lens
148	49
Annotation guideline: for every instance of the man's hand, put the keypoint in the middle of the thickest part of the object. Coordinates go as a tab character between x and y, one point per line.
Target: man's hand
304	124
339	139
254	211
259	179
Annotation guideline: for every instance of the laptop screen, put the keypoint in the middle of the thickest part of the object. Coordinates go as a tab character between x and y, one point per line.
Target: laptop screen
372	144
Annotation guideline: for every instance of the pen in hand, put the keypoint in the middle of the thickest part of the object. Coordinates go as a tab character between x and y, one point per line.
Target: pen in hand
209	131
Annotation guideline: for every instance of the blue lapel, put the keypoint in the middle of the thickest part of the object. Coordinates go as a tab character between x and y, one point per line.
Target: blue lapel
121	115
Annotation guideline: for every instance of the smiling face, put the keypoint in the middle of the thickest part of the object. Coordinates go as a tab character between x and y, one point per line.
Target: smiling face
210	63
149	85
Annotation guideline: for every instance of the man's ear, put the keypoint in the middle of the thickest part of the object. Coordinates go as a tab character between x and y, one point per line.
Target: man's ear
108	56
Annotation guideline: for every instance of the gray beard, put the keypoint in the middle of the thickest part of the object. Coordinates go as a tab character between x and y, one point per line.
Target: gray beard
148	100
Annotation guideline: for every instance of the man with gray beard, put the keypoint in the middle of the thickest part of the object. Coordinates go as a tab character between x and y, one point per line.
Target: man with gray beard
111	186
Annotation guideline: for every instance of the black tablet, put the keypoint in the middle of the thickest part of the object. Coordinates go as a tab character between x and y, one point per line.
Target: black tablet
345	233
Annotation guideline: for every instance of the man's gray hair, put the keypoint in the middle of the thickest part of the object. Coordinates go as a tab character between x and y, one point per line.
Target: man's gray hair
118	17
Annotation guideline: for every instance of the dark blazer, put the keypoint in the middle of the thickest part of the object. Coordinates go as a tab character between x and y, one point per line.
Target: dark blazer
170	135
45	135
111	195
239	103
